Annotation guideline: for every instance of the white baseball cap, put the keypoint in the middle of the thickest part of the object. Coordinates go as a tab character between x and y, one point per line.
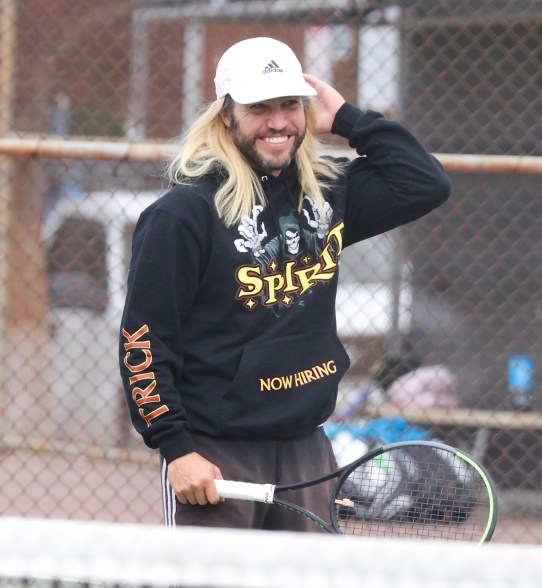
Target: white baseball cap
260	69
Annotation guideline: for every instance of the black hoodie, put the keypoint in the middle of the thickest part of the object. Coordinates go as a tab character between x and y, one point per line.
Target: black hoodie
230	332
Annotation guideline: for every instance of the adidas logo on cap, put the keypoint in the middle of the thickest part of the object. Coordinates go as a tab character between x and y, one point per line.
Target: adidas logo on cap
272	67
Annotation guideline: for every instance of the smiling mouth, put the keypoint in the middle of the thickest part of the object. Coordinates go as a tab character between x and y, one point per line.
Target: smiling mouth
276	140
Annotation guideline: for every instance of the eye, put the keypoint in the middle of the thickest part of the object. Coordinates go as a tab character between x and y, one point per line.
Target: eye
292	103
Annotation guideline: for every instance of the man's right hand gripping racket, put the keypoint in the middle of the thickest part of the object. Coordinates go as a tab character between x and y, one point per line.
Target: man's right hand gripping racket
404	490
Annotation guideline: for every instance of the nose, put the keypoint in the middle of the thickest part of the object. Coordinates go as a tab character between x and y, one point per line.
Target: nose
277	119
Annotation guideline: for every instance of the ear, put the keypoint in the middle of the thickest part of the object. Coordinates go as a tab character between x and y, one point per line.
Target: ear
225	118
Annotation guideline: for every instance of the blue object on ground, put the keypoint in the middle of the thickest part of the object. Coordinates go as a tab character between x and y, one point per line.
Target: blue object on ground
386	430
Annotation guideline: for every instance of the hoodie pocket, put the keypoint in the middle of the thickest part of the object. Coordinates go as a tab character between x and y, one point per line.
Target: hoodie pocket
284	387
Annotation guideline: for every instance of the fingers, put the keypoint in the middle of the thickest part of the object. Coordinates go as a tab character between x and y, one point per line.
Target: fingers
326	103
192	495
325	92
312	81
192	479
200	495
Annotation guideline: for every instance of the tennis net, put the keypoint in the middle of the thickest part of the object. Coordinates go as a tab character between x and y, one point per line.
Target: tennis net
65	554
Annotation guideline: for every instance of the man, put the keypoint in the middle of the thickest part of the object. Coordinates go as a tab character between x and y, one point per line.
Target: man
229	352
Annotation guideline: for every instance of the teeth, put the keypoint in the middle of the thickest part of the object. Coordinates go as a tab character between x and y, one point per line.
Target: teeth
276	140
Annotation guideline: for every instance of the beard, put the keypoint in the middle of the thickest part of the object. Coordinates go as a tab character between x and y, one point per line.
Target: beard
268	164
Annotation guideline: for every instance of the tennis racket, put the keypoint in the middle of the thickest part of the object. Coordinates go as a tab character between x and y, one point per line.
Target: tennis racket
406	490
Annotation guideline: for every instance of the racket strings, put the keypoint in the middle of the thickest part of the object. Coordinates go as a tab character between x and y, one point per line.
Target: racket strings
414	492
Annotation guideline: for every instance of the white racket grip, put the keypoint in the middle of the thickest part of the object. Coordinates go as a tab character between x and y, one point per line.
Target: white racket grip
245	491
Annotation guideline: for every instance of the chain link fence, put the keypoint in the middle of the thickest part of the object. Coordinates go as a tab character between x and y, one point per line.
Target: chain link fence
442	318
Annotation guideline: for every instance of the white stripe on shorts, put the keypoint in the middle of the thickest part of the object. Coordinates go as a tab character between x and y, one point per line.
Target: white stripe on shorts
168	497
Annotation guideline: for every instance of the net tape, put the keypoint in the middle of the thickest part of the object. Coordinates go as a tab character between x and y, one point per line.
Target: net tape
40	553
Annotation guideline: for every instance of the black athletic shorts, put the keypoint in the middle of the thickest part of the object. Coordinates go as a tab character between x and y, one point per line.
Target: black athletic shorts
259	461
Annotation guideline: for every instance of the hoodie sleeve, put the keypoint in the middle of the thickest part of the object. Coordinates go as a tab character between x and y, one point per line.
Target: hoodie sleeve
168	256
393	182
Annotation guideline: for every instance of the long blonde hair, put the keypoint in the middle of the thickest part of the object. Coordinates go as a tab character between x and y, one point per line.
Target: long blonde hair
208	145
